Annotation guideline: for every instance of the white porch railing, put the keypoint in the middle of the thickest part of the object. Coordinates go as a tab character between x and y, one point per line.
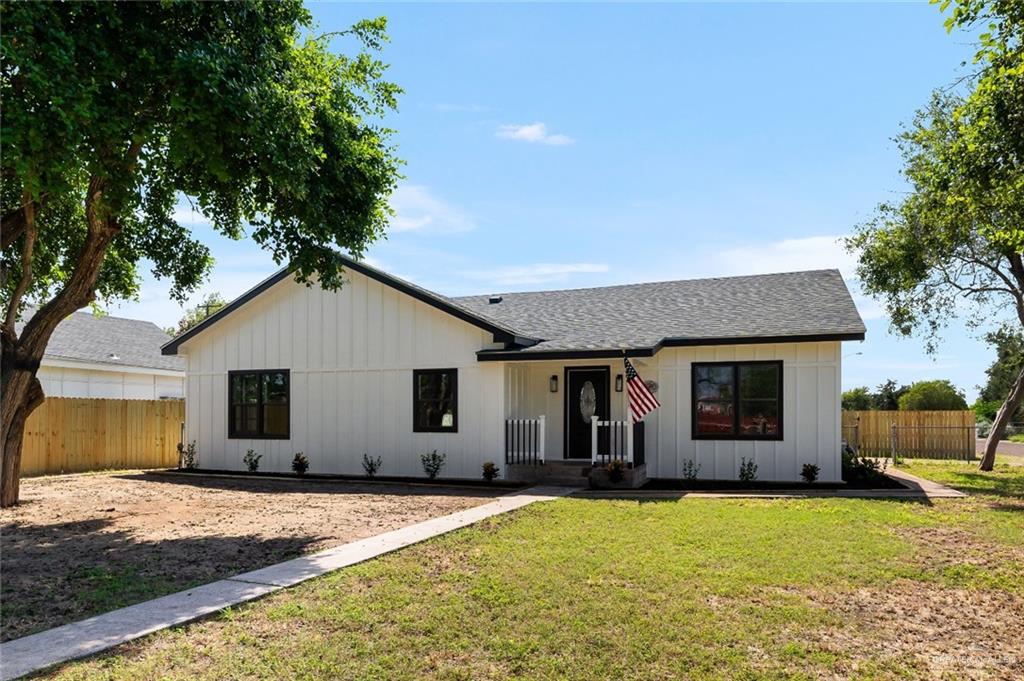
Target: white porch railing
610	440
524	441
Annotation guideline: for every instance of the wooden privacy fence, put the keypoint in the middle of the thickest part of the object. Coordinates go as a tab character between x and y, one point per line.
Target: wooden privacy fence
915	434
71	434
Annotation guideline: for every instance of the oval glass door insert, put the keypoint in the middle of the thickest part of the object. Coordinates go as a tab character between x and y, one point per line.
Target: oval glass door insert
588	401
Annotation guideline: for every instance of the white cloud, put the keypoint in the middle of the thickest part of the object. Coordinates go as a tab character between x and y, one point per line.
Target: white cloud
417	209
793	255
537	273
535	133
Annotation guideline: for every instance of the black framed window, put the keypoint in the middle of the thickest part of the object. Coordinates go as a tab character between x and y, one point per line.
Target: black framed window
258	404
435	400
737	400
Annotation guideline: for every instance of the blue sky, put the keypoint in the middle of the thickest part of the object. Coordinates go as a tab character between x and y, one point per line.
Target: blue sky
562	146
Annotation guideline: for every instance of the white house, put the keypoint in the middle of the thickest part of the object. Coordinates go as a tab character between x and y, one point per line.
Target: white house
744	368
112	358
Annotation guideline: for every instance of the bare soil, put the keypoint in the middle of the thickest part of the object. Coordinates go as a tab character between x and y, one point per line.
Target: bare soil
79	545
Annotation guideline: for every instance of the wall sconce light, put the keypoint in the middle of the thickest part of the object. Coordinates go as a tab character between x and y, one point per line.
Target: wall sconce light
553	383
618	383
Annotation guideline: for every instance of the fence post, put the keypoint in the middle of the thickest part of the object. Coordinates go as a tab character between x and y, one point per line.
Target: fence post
540	453
593	440
892	441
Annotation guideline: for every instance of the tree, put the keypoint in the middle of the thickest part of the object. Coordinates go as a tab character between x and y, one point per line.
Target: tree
1008	364
211	304
114	111
956	240
888	396
857	399
933	395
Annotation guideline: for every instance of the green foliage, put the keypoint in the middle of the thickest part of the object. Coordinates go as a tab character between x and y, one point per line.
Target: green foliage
857	399
858	468
616	469
433	463
810	472
932	395
187	457
985	410
690	469
748	470
887	397
371	465
954	242
211	304
1009	347
252	460
300	464
490	471
116	110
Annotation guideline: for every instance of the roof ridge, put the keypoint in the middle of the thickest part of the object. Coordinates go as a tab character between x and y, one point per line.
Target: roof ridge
649	283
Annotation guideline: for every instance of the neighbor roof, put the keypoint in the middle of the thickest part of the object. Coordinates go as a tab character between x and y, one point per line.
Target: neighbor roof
641	318
638	318
84	337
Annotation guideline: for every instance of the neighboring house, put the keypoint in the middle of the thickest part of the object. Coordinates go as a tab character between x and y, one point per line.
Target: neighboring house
744	367
110	357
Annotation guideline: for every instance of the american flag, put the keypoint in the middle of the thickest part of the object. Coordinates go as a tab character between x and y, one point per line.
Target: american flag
641	400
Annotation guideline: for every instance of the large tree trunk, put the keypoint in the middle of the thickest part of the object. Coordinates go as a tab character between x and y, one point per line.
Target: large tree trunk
1006	412
22	353
22	393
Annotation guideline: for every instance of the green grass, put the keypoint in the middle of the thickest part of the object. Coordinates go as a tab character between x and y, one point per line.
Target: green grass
1019	437
584	589
1005	480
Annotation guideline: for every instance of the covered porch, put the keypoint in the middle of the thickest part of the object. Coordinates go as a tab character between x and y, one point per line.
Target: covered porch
568	416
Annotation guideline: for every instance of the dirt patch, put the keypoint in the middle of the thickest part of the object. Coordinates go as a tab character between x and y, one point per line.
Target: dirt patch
79	545
949	633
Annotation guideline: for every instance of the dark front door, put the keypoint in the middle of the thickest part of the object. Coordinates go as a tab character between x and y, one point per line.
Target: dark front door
586	395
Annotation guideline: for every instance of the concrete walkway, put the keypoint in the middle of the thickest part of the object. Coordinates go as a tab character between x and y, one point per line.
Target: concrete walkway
96	634
916	488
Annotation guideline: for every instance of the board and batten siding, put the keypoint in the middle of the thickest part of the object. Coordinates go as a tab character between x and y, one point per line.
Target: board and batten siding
812	426
351	355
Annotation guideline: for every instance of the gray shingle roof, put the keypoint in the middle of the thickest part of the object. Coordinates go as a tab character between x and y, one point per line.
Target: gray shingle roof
633	316
85	337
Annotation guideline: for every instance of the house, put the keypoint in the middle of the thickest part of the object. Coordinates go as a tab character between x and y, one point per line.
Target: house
110	357
744	367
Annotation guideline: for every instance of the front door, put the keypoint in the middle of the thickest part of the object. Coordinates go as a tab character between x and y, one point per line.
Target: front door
586	395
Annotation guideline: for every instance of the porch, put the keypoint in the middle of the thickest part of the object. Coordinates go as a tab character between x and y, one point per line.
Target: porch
564	419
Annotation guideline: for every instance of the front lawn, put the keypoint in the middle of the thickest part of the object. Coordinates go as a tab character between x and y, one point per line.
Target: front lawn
701	588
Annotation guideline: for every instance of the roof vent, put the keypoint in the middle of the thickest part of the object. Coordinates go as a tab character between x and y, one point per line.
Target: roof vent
494	300
113	357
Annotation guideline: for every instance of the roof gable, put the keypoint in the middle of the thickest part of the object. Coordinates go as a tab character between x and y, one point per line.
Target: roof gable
502	333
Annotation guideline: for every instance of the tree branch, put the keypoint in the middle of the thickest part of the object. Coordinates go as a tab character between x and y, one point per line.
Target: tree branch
14	222
26	268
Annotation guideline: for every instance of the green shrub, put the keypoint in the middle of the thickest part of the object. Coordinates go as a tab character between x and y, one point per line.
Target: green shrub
433	463
370	466
300	464
860	468
252	460
932	395
748	470
490	471
810	472
616	470
187	455
690	469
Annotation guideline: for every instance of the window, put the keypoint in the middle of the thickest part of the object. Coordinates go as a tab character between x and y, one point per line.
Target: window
435	401
737	401
258	404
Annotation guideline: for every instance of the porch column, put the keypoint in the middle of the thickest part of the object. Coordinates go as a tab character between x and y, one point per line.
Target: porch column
593	439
